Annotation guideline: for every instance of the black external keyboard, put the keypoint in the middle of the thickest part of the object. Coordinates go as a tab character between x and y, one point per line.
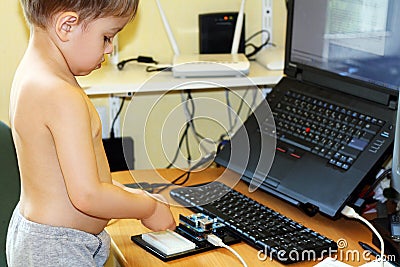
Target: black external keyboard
263	228
330	131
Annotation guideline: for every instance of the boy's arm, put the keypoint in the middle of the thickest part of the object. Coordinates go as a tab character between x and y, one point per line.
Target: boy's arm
132	190
71	126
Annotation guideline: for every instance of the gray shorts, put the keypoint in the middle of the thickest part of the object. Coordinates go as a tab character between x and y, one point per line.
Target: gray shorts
34	244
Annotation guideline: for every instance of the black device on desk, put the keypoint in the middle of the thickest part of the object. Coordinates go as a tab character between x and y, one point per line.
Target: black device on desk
216	31
119	152
395	226
383	226
334	111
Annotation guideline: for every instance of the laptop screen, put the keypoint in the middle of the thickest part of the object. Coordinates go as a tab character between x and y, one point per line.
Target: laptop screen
358	39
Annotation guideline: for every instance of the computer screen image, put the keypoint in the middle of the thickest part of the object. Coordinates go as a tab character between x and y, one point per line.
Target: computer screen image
356	39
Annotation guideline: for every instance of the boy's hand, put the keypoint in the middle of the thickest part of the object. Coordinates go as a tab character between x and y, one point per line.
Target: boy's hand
162	218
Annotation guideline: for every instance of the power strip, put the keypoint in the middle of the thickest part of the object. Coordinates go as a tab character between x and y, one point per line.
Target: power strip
267	19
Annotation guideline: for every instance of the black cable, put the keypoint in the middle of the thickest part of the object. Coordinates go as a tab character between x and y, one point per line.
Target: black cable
189	156
190	124
241	102
256	49
175	182
153	69
228	103
192	116
140	59
185	133
382	176
179	147
253	102
151	187
112	134
164	186
239	110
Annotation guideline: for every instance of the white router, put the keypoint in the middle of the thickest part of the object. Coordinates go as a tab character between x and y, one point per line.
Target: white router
208	65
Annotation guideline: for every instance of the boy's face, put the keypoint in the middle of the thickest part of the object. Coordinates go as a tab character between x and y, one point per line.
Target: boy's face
91	42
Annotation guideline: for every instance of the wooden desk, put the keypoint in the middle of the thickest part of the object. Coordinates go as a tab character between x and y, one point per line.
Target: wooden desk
134	78
130	254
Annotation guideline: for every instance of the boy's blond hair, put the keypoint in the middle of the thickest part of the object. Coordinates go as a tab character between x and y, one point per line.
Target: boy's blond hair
40	12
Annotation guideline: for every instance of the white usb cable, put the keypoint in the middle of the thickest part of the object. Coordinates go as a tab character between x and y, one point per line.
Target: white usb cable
216	241
351	213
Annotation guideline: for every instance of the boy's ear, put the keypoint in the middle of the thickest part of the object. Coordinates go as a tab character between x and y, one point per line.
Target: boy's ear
66	22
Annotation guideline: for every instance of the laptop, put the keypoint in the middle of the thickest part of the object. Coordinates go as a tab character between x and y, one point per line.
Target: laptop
333	112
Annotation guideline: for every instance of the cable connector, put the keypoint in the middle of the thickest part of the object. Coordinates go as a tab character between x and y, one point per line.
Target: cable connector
350	212
216	241
140	59
144	59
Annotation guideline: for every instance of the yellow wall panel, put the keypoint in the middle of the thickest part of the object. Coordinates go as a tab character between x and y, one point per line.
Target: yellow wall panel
144	36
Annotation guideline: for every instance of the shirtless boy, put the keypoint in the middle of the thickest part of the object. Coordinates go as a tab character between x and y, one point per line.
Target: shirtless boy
67	194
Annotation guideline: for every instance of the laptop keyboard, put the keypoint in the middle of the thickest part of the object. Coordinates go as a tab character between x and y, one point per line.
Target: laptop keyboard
263	228
335	133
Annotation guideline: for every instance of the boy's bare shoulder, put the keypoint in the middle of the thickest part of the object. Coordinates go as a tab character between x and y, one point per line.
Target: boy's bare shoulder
61	90
56	97
47	85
